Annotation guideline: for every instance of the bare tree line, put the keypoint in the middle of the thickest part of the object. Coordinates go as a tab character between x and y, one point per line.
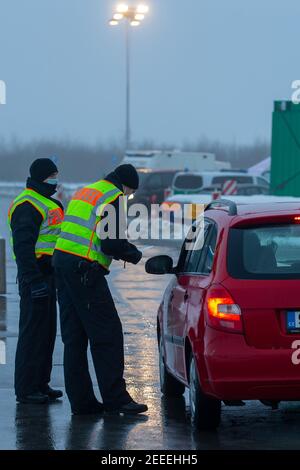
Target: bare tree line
83	162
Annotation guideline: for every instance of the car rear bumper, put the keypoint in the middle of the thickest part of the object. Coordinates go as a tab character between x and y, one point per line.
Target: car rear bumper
236	371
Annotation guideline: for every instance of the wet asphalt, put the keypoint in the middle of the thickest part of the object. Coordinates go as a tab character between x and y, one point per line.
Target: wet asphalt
167	424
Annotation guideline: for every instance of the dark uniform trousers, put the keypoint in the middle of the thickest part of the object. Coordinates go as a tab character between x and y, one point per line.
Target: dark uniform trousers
37	333
88	315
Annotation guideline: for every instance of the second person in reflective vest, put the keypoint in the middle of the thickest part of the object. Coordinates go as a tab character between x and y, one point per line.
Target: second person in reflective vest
87	310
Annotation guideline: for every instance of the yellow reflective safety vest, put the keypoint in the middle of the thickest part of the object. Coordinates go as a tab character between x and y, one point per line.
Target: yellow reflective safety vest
78	232
52	215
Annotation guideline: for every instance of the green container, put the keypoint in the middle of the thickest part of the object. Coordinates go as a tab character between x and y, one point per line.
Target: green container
285	165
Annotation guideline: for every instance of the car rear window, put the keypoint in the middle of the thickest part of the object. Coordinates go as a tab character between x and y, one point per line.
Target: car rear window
240	179
264	252
167	178
188	182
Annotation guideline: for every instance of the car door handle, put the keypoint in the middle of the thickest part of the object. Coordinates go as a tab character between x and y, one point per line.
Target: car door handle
186	296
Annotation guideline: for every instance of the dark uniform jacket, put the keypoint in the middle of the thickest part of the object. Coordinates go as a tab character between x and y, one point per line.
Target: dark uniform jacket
25	225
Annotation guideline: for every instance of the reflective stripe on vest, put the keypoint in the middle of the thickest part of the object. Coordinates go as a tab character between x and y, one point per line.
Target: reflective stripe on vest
78	232
52	218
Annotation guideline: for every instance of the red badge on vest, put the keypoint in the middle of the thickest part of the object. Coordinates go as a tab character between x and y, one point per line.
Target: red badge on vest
89	195
55	216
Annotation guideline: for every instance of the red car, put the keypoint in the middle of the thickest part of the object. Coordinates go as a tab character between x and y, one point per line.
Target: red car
230	317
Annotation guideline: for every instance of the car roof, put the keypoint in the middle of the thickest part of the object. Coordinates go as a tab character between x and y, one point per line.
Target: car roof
239	185
245	211
151	171
215	173
267	207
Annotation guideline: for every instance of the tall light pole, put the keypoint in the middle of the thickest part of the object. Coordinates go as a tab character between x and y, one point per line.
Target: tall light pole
133	16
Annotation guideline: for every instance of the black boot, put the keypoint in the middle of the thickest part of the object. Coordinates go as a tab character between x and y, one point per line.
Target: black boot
52	394
37	398
131	408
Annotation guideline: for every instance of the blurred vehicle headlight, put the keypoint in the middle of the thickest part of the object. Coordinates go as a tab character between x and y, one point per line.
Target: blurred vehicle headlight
171	206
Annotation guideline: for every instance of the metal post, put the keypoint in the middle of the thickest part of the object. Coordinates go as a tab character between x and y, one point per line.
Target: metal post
133	16
128	129
2	267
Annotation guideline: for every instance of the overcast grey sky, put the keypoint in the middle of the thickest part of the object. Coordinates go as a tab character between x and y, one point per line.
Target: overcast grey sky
200	67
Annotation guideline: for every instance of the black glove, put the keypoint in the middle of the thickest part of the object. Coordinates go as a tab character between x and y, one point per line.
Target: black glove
39	290
131	254
133	257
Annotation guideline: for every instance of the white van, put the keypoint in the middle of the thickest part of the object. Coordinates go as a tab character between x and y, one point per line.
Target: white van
174	160
196	182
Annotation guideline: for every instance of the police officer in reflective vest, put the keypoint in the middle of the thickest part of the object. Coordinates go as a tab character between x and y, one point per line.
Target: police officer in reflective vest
35	218
87	309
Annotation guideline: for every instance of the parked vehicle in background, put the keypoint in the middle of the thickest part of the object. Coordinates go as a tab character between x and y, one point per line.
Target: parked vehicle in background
195	182
230	314
154	188
174	159
263	168
241	190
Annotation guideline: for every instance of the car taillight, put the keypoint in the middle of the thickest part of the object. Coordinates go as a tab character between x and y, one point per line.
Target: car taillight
221	310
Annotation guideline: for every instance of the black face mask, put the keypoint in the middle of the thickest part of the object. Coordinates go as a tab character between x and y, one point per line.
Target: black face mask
51	188
45	189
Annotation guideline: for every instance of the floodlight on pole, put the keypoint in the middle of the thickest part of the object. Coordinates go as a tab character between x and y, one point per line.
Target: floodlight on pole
133	15
142	9
122	8
118	16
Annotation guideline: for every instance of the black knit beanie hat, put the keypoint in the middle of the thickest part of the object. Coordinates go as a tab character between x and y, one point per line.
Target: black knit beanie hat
128	176
42	168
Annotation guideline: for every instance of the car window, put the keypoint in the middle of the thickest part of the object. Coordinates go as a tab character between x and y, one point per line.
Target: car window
188	182
184	253
204	251
154	181
264	252
191	260
206	263
196	253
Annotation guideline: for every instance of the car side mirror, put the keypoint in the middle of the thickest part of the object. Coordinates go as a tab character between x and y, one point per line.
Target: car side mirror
160	265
